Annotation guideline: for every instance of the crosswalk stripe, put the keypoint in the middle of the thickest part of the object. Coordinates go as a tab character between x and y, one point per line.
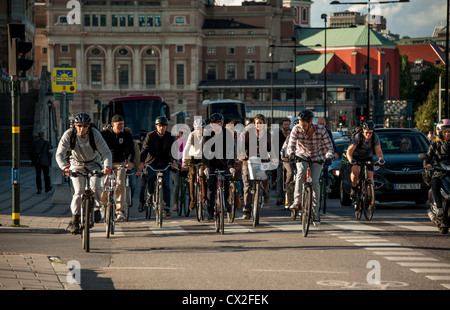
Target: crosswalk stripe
398	253
430	270
438	278
420	264
411	225
402	258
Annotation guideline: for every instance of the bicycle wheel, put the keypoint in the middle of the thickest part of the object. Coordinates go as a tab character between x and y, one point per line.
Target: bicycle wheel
187	198
198	202
321	192
160	206
128	202
233	197
148	205
86	215
369	201
306	209
256	204
221	212
358	202
109	217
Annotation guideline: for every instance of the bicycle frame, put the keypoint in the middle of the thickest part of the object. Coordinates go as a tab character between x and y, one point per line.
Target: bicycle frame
219	207
157	197
364	182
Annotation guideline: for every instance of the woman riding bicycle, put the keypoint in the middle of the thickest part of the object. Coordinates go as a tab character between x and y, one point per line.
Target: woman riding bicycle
86	149
192	155
310	140
360	149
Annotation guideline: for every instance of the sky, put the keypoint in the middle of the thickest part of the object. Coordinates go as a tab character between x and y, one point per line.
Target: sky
416	18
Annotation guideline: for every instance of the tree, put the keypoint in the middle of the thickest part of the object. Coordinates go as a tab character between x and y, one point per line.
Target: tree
406	84
427	113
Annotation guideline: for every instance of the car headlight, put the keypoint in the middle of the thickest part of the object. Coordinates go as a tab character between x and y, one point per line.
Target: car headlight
335	172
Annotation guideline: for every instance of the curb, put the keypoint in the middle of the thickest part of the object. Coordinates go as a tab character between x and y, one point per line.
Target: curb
6	229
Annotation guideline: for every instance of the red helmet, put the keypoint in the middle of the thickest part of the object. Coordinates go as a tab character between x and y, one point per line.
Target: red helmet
442	125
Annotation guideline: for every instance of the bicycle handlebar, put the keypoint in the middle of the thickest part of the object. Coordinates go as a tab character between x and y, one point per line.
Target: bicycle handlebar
77	174
308	159
159	170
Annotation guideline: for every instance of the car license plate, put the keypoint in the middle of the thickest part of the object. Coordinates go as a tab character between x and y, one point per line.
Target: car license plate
407	186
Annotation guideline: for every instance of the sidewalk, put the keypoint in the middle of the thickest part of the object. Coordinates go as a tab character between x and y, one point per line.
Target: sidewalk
21	271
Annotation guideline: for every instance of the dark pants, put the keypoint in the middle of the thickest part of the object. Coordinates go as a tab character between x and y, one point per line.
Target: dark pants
166	179
212	185
45	172
436	183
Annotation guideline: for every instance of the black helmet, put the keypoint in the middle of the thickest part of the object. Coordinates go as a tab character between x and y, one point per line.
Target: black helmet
82	118
162	120
261	117
295	122
248	121
368	125
305	115
216	118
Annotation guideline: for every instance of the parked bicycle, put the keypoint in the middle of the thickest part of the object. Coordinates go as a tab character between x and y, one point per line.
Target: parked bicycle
307	210
155	200
365	193
87	207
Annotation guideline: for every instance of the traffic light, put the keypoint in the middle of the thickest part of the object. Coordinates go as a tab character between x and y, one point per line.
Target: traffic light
17	50
362	118
343	120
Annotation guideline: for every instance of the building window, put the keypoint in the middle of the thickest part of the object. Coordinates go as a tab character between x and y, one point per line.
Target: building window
114	20
211	73
141	20
123	52
64	48
179	20
180	75
344	69
250	51
95	20
123	75
44	50
157	20
150	52
231	72
130	20
230	50
250	72
96	74
96	52
87	20
102	20
180	48
122	20
211	51
62	20
150	75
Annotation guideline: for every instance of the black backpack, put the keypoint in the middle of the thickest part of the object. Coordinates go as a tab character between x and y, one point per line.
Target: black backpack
359	130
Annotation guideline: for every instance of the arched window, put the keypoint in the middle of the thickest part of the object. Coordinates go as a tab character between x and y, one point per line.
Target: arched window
344	69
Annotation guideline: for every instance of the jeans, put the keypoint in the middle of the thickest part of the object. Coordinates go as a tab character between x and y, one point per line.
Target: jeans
316	169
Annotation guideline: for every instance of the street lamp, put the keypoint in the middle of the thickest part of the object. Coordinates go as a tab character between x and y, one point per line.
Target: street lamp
324	17
368	42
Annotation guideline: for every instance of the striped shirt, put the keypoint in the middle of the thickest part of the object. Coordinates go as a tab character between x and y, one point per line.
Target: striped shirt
318	146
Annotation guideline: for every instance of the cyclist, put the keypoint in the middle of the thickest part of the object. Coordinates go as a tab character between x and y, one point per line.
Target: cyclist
253	136
82	148
156	152
438	151
121	144
192	155
218	153
310	140
289	167
283	135
360	149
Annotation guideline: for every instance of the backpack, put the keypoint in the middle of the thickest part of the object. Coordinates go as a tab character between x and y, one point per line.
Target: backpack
73	140
359	130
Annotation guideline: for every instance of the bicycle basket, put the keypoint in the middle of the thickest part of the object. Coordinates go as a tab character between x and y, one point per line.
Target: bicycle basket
257	169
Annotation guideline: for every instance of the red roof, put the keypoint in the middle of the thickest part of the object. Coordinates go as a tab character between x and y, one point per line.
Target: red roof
428	52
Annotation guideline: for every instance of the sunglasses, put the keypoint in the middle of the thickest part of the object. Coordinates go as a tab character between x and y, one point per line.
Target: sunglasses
82	126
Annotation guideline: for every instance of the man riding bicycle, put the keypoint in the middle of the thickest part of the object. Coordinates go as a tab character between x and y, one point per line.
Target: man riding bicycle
82	148
157	152
121	144
361	148
192	155
218	154
310	140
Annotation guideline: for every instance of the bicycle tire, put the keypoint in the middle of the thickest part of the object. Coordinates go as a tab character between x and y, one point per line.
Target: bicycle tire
221	212
128	202
216	211
233	197
181	199
87	222
359	202
187	198
256	204
160	205
306	210
148	205
198	202
369	201
321	193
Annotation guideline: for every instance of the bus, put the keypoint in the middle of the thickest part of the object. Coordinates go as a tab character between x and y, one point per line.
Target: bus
232	110
139	112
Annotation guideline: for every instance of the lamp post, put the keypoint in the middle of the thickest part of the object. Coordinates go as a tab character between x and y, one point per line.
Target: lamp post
368	43
324	17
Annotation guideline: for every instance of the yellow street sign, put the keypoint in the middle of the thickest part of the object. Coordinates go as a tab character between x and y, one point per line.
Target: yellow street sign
64	79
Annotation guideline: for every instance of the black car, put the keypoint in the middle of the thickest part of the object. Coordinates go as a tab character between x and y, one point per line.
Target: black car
400	178
333	169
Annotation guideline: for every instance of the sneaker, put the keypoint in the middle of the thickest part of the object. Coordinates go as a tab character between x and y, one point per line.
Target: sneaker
191	205
295	206
246	216
120	217
175	208
317	220
97	216
167	212
210	218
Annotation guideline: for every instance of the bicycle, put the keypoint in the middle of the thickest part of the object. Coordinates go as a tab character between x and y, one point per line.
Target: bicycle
183	203
198	193
365	194
87	207
156	199
126	191
257	176
110	185
308	212
323	191
219	206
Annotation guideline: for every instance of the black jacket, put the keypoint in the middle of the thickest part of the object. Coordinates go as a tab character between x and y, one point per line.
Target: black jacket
156	148
218	150
121	145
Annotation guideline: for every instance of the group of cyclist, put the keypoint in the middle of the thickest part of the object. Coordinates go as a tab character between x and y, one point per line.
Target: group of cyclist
84	147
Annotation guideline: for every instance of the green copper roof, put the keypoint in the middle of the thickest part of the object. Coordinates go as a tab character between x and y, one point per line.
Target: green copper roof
341	37
313	63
